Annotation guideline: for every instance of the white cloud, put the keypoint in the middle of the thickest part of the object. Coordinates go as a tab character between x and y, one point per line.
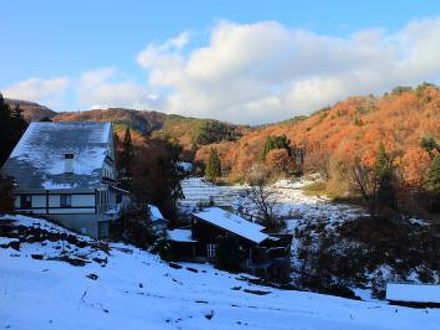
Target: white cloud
101	89
254	73
37	89
266	71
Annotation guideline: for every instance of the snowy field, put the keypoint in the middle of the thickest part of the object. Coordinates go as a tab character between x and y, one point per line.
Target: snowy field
135	290
292	204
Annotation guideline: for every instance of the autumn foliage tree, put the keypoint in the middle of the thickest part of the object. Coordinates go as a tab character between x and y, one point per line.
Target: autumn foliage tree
279	160
375	182
156	175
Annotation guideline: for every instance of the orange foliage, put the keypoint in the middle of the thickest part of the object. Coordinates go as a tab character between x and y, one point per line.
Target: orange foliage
413	166
359	125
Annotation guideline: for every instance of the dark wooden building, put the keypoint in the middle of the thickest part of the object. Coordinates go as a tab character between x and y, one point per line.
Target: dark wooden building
264	254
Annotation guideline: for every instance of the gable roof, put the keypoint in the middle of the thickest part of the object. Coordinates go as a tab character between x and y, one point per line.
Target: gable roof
233	223
38	160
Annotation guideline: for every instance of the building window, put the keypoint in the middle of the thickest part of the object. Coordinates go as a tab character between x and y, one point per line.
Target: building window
65	200
26	201
211	250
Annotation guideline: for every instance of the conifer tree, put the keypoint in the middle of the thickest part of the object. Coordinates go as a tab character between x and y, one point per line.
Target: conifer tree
276	142
213	167
6	195
12	126
433	178
126	160
384	176
429	144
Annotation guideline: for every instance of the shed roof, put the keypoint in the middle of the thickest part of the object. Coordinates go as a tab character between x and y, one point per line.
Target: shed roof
155	213
233	223
38	160
416	293
180	235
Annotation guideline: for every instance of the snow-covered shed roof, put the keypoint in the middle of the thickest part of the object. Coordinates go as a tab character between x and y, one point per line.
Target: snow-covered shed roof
180	235
38	160
155	213
233	223
416	293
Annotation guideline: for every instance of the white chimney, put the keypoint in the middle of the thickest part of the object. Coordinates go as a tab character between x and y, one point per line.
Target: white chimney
68	163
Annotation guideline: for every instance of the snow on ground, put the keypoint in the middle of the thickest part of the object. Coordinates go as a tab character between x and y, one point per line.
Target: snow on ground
293	205
135	290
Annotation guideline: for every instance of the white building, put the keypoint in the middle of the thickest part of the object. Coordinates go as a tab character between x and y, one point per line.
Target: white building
413	294
66	171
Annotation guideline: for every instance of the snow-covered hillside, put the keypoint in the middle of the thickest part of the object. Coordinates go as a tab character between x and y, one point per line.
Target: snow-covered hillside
292	204
132	289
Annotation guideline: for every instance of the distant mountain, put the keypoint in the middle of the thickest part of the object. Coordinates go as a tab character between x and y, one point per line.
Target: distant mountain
142	121
188	132
32	111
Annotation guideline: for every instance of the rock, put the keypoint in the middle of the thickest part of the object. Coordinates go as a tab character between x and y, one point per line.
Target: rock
92	276
210	315
192	269
257	292
15	245
37	256
174	265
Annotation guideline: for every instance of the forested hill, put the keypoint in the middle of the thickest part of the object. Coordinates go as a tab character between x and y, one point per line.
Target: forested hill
333	136
188	132
406	120
31	111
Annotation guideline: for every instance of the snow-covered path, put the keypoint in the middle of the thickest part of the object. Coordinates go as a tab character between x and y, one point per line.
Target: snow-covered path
135	290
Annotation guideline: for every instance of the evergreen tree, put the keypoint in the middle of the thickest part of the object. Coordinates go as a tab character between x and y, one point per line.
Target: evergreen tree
12	126
126	160
429	144
384	176
6	196
276	142
433	178
213	168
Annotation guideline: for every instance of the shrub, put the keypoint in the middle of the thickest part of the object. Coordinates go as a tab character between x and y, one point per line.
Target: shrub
6	195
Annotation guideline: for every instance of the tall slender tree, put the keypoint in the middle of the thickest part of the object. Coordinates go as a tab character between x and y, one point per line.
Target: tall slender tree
213	167
125	162
385	175
433	178
12	127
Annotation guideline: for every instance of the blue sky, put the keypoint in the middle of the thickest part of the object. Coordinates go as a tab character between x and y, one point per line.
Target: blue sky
201	55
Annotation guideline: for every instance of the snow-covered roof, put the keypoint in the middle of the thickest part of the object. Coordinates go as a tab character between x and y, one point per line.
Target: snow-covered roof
38	160
418	293
180	235
185	166
155	213
233	223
